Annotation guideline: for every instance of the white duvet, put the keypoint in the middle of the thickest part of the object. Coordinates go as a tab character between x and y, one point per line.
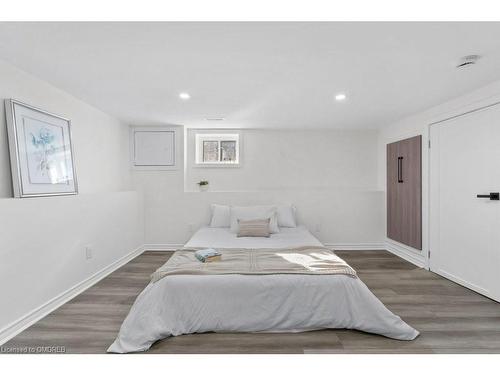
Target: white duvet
183	304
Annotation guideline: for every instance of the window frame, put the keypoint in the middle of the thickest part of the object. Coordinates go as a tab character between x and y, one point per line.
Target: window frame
218	136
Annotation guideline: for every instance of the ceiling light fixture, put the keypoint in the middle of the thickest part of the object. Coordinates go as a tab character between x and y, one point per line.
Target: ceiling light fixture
340	97
468	60
215	118
184	96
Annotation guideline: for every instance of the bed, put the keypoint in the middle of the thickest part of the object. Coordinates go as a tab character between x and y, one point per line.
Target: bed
280	302
223	238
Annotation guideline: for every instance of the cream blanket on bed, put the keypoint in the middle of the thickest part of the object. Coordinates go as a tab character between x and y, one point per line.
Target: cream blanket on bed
301	260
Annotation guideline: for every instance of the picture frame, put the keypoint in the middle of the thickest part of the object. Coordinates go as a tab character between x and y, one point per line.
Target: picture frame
41	152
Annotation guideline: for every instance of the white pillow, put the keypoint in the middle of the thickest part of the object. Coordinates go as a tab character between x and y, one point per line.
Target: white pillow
254	213
286	216
221	216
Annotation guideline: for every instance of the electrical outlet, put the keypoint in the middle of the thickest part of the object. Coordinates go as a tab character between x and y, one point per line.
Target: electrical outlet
88	252
317	228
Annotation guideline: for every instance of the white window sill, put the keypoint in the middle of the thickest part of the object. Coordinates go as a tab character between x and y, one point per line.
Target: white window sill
216	165
154	167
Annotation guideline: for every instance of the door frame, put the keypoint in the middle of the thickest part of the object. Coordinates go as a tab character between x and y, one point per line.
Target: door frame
464	111
436	270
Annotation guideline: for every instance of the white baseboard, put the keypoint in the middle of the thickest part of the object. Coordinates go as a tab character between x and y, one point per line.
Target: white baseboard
356	246
38	313
162	247
467	284
463	282
406	252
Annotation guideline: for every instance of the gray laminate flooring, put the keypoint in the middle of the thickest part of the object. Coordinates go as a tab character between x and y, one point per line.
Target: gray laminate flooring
451	319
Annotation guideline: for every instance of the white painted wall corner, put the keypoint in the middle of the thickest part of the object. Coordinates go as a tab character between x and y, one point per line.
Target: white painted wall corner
40	312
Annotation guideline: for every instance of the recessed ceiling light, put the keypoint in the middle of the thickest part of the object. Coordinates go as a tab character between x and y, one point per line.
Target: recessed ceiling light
184	96
340	97
215	118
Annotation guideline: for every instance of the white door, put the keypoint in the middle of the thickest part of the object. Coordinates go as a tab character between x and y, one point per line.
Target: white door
464	228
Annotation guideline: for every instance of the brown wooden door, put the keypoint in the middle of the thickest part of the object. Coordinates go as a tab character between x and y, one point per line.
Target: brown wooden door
404	191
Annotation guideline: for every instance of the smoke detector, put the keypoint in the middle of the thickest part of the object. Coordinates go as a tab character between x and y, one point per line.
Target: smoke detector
468	60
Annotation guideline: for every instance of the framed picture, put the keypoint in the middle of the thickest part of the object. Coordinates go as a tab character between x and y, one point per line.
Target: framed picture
41	154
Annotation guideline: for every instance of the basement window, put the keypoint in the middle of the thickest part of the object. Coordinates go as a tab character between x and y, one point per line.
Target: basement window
217	149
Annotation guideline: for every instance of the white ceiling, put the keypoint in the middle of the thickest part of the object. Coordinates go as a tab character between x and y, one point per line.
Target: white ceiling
281	75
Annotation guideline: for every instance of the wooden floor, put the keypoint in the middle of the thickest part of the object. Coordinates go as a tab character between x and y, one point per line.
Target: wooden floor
451	319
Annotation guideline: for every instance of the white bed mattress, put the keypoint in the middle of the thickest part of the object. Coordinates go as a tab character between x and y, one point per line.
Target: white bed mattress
223	238
183	304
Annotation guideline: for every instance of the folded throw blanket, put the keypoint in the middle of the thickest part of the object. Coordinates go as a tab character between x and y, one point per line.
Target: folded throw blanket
203	254
308	260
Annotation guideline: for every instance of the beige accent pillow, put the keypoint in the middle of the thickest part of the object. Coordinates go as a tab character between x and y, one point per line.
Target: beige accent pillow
254	213
253	228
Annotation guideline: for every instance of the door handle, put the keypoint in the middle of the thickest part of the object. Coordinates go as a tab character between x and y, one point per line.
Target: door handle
490	196
400	169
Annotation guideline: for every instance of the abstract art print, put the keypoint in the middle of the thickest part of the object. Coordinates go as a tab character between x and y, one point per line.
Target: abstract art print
40	150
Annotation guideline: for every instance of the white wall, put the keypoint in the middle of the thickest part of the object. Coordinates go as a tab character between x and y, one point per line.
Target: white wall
100	142
331	176
418	124
42	240
293	160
